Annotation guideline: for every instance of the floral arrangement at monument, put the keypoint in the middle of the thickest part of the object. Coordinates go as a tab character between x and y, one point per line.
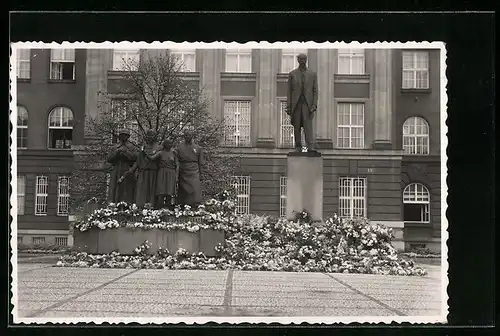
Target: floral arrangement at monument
216	213
255	242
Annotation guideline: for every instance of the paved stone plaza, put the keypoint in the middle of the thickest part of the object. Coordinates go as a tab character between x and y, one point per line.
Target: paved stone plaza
45	291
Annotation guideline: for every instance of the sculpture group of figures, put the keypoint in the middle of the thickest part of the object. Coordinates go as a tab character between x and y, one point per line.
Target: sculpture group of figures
157	175
161	175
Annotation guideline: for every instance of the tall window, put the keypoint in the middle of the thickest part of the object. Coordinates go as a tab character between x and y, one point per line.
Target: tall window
289	59
351	61
415	70
286	128
122	112
350	125
239	60
126	59
352	197
41	192
60	128
62	64
237	115
23	60
416	136
22	127
21	194
416	200
63	196
187	58
283	184
242	190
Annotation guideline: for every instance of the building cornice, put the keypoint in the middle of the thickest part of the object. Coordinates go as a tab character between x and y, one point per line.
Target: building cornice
361	154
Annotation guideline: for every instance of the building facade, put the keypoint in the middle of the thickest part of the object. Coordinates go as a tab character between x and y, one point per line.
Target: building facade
377	126
50	118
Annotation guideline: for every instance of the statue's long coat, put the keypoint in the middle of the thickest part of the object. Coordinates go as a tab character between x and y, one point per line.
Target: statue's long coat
121	161
191	159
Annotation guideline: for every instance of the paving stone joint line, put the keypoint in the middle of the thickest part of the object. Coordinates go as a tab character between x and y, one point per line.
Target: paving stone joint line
228	295
62	302
380	303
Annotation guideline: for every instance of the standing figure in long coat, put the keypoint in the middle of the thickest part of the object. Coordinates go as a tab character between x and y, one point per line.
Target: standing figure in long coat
122	158
302	101
166	179
191	160
146	169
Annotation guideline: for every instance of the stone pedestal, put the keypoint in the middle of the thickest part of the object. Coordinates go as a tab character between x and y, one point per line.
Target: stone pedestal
305	184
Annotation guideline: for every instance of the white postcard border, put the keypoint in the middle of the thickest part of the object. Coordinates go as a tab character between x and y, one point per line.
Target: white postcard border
442	318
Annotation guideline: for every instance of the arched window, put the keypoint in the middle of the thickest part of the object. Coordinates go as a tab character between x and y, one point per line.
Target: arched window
416	136
60	128
22	127
416	201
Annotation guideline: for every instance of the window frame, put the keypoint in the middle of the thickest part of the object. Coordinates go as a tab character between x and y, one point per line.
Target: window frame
242	196
350	198
135	52
63	197
425	211
41	240
41	192
415	136
237	142
293	53
20	60
351	55
285	127
238	53
181	53
60	127
22	129
21	194
60	61
350	126
59	239
415	69
283	195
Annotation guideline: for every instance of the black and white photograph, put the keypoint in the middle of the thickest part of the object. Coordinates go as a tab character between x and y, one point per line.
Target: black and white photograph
199	182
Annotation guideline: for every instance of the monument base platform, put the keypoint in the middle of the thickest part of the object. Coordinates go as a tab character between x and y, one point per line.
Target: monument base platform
125	240
305	184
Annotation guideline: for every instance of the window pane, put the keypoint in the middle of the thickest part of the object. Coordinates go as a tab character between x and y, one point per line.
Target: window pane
22	137
190	62
245	63
344	65
58	55
22	116
21	192
24	54
422	79
237	115
408	60
412	212
422	59
231	63
408	79
358	65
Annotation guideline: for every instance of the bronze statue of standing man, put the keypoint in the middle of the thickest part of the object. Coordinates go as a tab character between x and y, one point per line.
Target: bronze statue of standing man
302	101
122	158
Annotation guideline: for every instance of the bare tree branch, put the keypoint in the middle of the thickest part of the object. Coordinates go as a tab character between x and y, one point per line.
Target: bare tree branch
155	95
